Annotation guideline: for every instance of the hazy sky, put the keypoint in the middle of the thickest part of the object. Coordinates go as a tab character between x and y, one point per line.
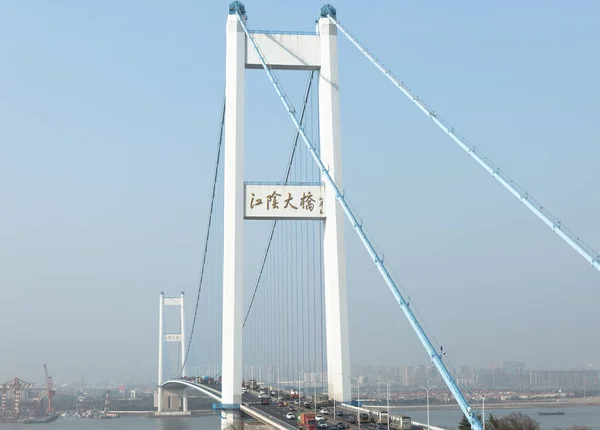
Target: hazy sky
108	119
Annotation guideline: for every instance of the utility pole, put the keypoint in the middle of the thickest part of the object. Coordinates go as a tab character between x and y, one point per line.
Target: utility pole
358	400
427	390
483	407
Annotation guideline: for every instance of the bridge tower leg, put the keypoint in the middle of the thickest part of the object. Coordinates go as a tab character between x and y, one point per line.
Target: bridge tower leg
164	402
183	353
233	287
161	339
334	251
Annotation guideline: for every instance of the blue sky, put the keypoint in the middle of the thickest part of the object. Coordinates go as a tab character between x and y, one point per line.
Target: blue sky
108	121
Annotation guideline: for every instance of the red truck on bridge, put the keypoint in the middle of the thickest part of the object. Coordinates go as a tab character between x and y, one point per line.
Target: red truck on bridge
307	421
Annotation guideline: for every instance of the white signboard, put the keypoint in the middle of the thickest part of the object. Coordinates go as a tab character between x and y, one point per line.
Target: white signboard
172	301
264	201
173	337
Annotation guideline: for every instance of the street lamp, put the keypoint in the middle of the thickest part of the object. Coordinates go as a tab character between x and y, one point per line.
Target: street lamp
278	387
315	395
315	386
334	407
252	366
427	390
387	384
483	407
358	398
301	372
269	377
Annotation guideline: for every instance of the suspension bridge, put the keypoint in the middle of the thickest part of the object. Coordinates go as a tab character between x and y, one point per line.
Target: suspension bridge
288	327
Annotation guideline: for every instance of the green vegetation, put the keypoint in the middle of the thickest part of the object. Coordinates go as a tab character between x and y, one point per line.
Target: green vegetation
514	421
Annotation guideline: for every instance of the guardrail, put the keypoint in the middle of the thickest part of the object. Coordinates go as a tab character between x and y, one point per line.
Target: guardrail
393	418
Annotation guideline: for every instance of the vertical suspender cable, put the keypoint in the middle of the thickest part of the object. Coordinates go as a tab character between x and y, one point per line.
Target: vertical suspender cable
286	179
434	355
515	189
206	240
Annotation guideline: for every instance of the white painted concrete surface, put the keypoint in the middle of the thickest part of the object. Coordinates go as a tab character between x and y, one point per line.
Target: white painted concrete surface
334	249
285	51
233	282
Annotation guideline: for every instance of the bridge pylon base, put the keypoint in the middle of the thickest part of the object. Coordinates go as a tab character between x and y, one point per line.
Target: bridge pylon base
173	414
231	419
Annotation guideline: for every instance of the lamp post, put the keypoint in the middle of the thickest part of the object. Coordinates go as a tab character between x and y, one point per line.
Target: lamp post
252	366
427	390
301	372
315	384
278	386
483	407
358	398
315	388
387	392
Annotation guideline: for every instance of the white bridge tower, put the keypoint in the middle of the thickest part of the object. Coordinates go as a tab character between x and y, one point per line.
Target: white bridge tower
283	51
170	337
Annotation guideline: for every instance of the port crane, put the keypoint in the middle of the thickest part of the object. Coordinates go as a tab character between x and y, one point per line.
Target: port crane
15	386
50	389
106	402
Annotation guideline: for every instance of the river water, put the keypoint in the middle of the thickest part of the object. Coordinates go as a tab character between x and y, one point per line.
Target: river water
209	422
446	418
574	415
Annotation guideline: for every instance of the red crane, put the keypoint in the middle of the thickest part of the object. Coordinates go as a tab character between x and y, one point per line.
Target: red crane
50	389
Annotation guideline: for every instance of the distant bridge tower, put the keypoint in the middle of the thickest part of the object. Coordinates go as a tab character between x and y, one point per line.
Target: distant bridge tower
283	51
170	337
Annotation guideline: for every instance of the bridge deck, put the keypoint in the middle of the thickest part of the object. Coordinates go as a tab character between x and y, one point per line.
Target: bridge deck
272	414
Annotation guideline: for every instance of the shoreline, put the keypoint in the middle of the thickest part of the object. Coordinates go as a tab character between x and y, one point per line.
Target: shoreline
590	401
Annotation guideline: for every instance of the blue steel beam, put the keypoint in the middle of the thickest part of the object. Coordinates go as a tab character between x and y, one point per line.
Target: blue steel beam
537	208
378	260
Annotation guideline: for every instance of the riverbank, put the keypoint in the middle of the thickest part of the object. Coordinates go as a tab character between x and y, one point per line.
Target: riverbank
576	401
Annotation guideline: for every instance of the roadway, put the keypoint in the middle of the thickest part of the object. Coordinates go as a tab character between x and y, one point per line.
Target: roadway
278	413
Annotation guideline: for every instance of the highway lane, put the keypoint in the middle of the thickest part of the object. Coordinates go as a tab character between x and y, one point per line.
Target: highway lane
252	400
274	411
279	413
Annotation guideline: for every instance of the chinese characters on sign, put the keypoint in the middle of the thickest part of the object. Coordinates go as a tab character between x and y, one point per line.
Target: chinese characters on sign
173	337
284	201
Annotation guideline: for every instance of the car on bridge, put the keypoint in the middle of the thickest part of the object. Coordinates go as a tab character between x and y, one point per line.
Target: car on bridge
290	416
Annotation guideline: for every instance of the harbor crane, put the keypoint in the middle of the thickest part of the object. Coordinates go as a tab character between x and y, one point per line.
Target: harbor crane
51	391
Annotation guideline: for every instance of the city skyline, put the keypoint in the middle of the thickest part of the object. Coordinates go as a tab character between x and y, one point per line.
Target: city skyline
107	151
357	370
